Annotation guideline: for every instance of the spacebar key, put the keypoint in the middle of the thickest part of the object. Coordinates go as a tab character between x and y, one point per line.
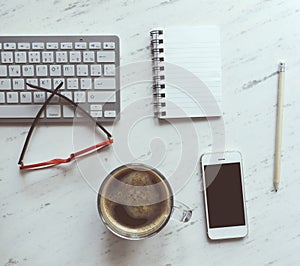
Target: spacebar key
19	111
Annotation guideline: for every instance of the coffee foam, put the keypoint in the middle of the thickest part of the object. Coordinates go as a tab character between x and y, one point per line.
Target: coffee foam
142	194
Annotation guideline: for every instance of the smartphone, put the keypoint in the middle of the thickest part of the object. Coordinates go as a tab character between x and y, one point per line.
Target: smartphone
224	196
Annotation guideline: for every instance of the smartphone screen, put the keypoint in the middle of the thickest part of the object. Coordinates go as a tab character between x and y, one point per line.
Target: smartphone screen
224	195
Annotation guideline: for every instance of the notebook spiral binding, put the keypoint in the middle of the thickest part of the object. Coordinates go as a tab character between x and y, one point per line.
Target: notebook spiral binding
158	68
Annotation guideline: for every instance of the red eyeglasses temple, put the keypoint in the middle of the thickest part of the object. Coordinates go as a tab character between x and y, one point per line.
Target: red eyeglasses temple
72	156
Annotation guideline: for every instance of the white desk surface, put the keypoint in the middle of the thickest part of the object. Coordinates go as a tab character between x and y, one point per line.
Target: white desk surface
49	217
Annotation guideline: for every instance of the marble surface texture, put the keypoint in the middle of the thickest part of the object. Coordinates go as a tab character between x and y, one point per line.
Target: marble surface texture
49	217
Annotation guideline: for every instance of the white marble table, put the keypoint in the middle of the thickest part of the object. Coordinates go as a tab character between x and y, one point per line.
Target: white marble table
49	217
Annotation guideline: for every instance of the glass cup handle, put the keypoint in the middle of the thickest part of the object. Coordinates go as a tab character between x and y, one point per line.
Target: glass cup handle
181	212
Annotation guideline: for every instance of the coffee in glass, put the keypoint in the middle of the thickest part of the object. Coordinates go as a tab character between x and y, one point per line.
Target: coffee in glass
135	201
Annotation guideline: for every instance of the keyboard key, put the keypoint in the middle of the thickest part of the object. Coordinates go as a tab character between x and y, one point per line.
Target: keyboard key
25	97
82	70
109	70
34	57
23	45
42	70
47	57
53	111
69	70
28	70
95	45
96	107
18	84
38	97
61	57
46	83
80	45
52	45
88	57
110	113
79	97
3	71
2	97
6	57
38	45
75	57
55	70
67	94
5	84
19	111
104	83
109	45
106	56
66	46
12	97
56	82
32	82
9	46
72	84
68	111
95	70
96	114
20	57
14	70
86	83
101	96
54	99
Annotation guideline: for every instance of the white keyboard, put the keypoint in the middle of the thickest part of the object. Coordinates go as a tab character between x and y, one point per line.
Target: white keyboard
88	66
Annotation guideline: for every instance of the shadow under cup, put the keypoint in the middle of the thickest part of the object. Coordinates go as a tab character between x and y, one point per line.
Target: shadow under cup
135	201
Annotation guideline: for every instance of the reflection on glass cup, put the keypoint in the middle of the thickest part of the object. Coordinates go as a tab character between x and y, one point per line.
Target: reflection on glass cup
136	201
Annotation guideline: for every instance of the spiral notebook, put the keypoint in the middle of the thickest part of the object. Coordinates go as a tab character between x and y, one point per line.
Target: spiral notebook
186	64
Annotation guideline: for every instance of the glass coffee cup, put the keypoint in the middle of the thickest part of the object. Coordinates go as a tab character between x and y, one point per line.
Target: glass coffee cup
135	201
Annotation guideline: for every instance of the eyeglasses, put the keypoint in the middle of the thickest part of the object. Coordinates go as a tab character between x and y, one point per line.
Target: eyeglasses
72	156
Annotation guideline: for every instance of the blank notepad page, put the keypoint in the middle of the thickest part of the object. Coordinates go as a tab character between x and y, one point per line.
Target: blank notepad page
192	72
